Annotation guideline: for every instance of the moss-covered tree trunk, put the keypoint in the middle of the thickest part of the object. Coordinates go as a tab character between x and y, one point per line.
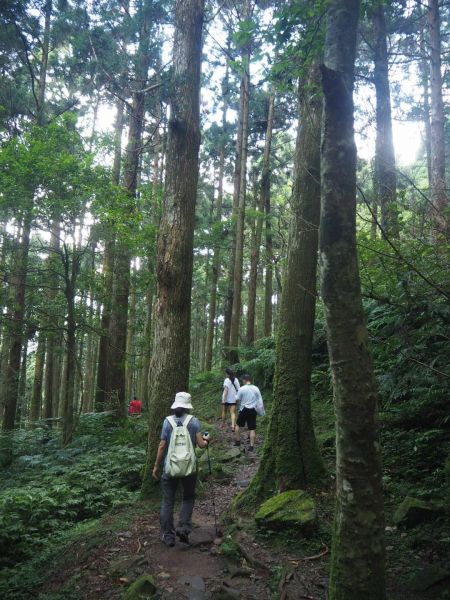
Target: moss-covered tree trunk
385	170
169	371
357	560
290	457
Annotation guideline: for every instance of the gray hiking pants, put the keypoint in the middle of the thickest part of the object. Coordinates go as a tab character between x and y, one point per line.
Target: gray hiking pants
169	488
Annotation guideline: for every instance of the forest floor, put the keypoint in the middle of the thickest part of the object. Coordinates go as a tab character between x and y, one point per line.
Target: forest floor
72	526
211	566
239	563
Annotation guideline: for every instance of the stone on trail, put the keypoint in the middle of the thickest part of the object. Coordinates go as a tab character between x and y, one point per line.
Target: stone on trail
143	587
195	587
413	511
293	508
202	536
231	454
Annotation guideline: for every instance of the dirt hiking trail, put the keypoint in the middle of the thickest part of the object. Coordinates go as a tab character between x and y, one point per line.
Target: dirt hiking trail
200	570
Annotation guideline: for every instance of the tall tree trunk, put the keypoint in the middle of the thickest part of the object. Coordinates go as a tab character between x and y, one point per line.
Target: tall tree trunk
291	458
130	361
36	396
439	197
424	68
71	272
170	356
240	214
115	383
53	342
22	408
228	308
385	171
264	202
42	82
108	270
18	286
218	217
357	560
268	284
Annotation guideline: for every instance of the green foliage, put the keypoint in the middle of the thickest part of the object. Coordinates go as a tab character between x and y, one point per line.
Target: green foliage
49	488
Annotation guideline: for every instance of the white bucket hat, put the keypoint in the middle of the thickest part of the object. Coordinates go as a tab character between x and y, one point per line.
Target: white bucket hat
182	400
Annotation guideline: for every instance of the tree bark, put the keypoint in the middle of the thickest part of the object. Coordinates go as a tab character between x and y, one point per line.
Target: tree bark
439	197
218	217
115	383
385	170
240	212
170	356
42	82
357	559
425	80
263	203
129	364
228	308
71	268
53	350
290	457
18	285
36	396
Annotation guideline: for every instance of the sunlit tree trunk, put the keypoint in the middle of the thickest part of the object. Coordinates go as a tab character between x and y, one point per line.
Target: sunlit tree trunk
291	458
439	197
385	170
170	356
357	559
425	80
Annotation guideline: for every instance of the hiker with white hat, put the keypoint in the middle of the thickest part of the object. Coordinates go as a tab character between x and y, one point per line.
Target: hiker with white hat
180	433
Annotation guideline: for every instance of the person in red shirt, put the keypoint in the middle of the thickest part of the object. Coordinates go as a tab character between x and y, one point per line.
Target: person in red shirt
135	407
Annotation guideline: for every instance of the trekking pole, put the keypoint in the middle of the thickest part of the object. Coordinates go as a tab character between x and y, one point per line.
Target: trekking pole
213	496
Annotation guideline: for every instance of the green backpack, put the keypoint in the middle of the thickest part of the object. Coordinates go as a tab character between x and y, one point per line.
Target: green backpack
181	460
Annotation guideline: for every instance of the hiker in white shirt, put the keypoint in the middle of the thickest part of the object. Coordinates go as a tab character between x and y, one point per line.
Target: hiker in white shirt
230	389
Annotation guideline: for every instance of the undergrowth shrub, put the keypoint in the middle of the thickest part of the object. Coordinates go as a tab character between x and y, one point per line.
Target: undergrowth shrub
49	487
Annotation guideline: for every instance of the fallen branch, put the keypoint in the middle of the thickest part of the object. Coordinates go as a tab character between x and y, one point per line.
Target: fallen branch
316	556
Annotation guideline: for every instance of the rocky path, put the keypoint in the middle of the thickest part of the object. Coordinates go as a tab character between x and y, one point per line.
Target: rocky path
204	569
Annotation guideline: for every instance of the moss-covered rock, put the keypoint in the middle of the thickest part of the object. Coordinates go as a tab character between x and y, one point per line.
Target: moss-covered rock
413	511
143	587
292	509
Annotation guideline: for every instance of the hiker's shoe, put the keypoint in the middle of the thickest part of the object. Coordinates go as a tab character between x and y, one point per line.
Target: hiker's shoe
183	535
237	443
168	539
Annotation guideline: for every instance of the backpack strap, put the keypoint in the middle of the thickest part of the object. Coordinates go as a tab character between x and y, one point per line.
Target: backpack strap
174	424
